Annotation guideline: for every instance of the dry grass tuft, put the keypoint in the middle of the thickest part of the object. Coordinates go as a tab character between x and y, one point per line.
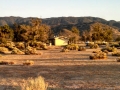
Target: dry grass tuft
28	62
35	84
6	63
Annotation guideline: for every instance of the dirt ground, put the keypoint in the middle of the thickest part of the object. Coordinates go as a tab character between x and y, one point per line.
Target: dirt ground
63	70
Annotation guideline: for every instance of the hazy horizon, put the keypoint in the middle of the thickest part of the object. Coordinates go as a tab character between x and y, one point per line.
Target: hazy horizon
105	9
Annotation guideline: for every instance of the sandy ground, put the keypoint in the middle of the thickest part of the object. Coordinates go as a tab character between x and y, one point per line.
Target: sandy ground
63	70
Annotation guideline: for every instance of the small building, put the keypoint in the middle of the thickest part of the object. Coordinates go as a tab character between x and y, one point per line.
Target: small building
59	41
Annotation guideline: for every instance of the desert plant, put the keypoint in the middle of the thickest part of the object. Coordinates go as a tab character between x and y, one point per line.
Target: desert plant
30	50
34	84
28	62
64	50
72	47
99	55
116	54
96	51
20	45
94	46
3	50
38	45
6	63
110	49
17	51
118	59
81	48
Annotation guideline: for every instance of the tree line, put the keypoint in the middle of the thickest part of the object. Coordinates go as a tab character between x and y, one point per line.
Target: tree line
37	31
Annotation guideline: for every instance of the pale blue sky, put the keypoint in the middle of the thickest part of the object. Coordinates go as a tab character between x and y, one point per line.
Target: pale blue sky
107	9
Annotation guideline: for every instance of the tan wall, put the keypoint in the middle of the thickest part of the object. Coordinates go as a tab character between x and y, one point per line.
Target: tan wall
59	42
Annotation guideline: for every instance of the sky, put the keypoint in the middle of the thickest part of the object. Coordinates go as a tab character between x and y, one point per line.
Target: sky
106	9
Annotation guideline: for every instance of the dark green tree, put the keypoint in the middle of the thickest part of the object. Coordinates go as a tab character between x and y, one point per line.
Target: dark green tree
6	34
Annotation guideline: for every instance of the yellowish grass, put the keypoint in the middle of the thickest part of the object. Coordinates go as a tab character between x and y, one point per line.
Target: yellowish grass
34	84
28	62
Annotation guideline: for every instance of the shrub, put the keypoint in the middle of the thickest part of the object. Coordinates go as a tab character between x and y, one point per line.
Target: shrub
28	62
115	45
116	54
10	45
110	49
118	60
105	51
34	84
3	50
38	45
97	51
72	47
30	50
6	63
64	50
17	51
81	48
20	45
99	55
94	46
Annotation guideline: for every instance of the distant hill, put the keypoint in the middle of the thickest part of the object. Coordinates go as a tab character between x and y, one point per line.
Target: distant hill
58	23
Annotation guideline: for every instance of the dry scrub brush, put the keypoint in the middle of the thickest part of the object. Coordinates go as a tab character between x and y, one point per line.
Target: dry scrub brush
35	84
6	63
3	50
28	62
110	49
17	51
94	46
81	48
99	55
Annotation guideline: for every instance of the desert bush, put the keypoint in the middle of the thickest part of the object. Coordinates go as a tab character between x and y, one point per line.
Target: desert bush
34	84
38	45
64	50
115	45
118	59
106	51
3	50
17	51
116	54
30	50
6	63
94	46
72	47
20	45
99	55
10	45
81	48
110	49
28	62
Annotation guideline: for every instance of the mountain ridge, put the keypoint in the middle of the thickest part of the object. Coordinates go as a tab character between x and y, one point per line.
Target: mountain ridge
62	22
